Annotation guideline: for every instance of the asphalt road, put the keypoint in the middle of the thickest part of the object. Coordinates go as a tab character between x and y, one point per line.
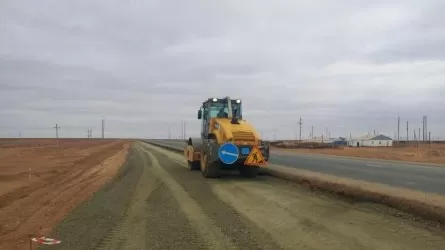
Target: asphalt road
155	202
415	176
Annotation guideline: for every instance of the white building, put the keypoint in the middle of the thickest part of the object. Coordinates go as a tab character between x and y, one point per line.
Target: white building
371	141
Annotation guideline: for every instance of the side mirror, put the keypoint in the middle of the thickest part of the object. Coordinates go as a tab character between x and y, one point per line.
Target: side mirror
199	114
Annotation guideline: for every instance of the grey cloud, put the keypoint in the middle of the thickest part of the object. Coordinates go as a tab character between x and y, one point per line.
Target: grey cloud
352	66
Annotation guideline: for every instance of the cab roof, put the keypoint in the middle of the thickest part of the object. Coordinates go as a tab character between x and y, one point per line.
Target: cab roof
220	99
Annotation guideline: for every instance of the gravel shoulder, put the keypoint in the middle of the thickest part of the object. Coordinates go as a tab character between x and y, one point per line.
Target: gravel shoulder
156	203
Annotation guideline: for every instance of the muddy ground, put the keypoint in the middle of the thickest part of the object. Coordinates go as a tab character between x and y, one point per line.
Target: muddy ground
156	203
42	182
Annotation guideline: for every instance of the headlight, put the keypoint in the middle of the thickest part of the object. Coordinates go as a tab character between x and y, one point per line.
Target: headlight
214	99
238	101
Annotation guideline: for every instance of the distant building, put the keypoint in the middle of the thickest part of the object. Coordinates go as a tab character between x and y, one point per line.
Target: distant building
332	141
319	140
371	141
340	141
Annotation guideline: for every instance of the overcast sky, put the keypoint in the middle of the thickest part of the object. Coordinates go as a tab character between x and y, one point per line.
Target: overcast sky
351	66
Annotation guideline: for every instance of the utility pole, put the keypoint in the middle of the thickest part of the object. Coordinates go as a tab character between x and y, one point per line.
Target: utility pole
57	131
312	133
407	136
57	134
103	128
300	123
415	138
327	132
185	131
398	129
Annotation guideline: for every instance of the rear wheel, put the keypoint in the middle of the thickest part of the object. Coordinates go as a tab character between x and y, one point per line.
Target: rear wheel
248	171
209	170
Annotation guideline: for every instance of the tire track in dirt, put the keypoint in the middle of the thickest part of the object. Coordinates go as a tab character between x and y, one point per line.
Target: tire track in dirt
199	220
131	232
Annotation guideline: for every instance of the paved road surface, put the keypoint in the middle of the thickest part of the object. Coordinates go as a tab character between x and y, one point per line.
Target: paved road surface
156	203
416	176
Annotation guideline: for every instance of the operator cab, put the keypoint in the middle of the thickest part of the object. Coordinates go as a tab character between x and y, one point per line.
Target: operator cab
221	108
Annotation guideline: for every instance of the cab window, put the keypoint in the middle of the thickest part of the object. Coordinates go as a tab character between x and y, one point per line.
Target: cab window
215	109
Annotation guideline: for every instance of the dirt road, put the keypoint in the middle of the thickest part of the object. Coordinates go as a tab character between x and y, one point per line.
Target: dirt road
156	203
